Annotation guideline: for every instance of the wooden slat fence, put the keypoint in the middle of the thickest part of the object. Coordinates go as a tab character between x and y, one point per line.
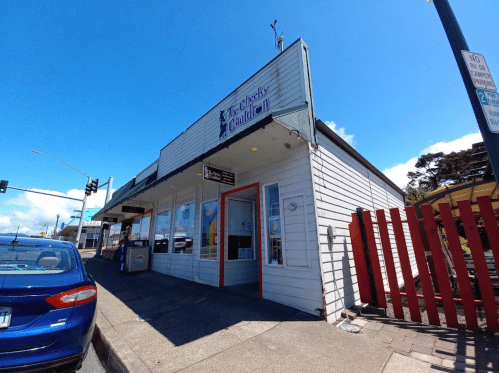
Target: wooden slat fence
436	279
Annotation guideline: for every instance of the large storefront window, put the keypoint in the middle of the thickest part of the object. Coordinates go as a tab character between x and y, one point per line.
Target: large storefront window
184	229
114	236
162	232
273	220
140	228
145	226
135	234
209	219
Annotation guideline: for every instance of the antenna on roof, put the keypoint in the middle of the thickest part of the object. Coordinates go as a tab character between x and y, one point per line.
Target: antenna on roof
279	40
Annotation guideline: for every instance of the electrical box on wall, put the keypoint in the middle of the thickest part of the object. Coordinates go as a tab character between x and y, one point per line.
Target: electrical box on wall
331	232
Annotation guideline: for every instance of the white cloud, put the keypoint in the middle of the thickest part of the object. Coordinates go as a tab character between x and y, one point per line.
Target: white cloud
32	211
398	172
340	132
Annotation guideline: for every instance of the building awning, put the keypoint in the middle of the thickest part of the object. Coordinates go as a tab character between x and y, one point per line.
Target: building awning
270	135
274	136
68	231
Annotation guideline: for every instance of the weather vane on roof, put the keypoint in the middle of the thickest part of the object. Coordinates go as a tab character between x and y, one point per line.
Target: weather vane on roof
279	40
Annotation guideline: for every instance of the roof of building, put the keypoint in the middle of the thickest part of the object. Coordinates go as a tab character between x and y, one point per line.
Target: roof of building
469	190
331	135
129	190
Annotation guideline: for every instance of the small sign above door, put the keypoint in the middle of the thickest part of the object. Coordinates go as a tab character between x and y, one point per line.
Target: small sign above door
220	176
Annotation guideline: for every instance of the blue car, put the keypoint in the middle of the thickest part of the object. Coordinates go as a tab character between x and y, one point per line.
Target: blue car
47	306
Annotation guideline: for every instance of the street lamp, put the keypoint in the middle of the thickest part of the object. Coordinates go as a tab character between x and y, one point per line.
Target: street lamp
84	199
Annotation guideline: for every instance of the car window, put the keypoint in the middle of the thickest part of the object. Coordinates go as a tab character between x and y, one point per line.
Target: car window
18	259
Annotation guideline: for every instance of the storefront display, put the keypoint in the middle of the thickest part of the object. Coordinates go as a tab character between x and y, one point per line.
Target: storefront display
288	177
209	223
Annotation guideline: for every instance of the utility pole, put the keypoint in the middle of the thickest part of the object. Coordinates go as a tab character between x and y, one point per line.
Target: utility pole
458	44
56	222
98	251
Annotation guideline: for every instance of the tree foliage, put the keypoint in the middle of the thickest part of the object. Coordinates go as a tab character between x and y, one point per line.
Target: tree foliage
435	170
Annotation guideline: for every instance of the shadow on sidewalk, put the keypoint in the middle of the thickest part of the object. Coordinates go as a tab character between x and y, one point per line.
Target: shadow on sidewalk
181	310
460	348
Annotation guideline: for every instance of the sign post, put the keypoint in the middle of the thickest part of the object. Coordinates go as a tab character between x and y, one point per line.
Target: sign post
482	79
479	71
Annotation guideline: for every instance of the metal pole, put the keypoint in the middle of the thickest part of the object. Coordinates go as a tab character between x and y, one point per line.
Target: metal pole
82	215
46	194
56	222
98	252
458	44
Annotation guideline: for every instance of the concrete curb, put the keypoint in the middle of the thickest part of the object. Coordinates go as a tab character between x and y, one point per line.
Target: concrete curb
106	353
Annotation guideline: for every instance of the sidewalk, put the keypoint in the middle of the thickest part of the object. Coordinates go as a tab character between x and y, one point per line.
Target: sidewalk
445	349
149	322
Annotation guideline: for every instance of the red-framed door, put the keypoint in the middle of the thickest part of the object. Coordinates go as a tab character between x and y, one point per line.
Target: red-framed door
259	234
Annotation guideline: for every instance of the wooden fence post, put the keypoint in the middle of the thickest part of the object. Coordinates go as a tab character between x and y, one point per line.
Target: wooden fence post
367	256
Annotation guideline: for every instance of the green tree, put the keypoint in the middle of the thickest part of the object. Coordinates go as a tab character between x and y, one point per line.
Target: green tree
455	167
435	170
428	174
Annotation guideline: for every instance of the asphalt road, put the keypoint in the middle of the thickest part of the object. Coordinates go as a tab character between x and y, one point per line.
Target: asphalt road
91	363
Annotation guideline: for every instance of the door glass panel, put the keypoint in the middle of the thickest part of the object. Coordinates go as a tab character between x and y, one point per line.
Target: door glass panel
240	240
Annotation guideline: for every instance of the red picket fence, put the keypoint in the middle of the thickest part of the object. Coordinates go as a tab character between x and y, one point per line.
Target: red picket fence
432	263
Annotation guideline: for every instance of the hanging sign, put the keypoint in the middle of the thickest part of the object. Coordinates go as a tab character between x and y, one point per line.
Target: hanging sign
133	209
110	220
479	71
220	176
490	106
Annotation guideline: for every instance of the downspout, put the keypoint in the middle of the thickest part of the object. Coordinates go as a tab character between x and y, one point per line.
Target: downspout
311	151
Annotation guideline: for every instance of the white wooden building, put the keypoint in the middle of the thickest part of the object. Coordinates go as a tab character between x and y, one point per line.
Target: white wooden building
293	178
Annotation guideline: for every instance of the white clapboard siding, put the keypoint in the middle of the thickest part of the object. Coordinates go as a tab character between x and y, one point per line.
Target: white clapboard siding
208	272
342	184
284	77
298	282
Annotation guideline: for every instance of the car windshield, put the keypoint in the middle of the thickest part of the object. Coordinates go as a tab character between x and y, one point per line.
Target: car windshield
21	259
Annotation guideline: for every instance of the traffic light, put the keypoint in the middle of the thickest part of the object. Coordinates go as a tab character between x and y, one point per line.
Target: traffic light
88	189
95	185
92	187
3	186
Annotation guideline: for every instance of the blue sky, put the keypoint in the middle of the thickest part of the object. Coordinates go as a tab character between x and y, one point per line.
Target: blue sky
105	85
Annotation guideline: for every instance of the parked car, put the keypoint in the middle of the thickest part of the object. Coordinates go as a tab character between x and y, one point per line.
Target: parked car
47	306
